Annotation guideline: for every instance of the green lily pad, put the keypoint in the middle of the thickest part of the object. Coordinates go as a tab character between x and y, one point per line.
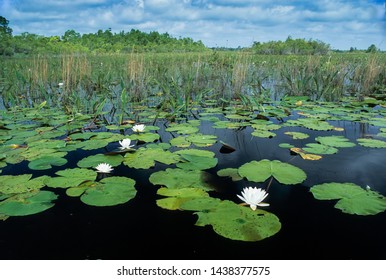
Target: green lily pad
263	134
27	203
297	135
145	137
259	171
183	128
286	145
14	184
110	191
236	222
70	177
145	158
230	172
371	143
194	162
320	149
178	196
335	141
46	162
202	140
178	178
94	160
352	198
180	142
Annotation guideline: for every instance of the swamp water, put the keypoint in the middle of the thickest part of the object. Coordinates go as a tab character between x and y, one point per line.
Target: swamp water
140	229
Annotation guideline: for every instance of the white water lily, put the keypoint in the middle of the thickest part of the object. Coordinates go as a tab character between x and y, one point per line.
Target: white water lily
138	128
254	197
60	84
368	188
104	168
125	144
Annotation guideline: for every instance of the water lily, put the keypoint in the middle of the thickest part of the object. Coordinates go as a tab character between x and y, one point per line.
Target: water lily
254	197
60	84
125	144
138	128
104	168
368	188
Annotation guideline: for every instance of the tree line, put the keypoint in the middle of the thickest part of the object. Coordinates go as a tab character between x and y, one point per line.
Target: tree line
103	41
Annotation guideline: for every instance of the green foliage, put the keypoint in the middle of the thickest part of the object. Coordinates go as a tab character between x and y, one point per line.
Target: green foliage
291	46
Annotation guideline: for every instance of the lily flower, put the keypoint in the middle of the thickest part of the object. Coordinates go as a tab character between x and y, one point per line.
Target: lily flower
254	197
368	188
125	144
138	128
104	168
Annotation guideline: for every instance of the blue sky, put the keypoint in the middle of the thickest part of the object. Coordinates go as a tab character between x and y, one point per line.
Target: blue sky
221	23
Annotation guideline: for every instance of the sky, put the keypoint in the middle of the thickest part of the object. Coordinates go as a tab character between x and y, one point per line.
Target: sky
217	23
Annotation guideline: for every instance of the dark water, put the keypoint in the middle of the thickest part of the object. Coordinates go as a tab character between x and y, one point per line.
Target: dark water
311	229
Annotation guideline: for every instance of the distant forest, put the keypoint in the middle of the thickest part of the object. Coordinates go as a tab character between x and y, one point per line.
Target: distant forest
104	41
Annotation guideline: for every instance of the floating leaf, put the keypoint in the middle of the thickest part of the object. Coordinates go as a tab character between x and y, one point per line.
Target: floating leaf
178	196
259	171
297	135
46	162
94	160
234	221
14	184
145	158
27	203
286	145
178	178
320	149
230	172
70	177
145	137
335	141
184	128
180	142
305	155
352	198
202	140
110	191
194	162
371	143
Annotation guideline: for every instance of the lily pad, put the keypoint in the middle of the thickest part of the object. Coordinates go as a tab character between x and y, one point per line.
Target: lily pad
145	158
352	198
297	135
110	191
371	143
94	160
234	221
70	177
194	162
320	149
27	203
230	172
335	141
146	137
178	196
14	184
259	171
46	162
176	178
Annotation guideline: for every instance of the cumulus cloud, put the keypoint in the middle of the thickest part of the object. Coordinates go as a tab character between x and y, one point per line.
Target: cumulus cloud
229	23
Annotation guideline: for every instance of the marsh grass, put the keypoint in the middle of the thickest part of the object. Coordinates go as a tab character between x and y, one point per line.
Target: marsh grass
176	82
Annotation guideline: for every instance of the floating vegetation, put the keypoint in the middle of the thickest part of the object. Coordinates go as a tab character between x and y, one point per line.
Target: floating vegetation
352	199
182	157
260	171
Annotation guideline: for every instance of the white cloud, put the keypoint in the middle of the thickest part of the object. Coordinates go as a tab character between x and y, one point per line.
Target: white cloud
216	22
